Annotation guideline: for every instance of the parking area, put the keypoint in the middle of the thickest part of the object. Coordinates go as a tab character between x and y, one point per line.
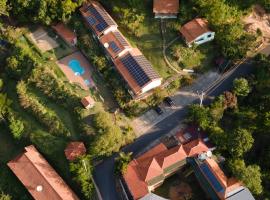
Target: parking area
182	98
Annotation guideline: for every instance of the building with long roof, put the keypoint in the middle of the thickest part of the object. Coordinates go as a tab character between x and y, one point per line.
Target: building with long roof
38	177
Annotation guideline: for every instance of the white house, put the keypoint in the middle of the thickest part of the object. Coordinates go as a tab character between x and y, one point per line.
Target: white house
197	32
166	8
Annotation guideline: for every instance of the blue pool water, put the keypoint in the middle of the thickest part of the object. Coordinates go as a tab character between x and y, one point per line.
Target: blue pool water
76	67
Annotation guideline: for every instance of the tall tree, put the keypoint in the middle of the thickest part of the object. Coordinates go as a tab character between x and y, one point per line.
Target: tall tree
3	7
241	87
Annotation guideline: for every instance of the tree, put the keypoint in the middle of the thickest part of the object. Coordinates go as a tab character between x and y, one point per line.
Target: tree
250	175
240	141
1	84
217	108
12	66
16	125
4	196
199	115
241	87
230	100
44	11
3	7
218	137
122	162
82	169
4	105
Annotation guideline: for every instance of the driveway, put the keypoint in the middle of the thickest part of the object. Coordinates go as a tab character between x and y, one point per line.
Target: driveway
104	172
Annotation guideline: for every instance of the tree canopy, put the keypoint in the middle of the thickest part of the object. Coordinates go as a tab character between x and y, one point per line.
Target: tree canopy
241	87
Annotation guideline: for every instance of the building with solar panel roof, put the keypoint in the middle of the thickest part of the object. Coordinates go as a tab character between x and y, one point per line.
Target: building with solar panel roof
97	18
115	44
137	72
135	69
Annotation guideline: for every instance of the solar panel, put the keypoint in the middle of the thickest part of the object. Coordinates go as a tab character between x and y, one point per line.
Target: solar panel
114	47
91	20
120	38
135	70
101	26
211	177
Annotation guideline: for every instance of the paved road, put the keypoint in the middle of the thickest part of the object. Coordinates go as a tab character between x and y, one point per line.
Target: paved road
103	173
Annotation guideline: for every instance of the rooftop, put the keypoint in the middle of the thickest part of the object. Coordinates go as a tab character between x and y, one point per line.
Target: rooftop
136	70
166	6
97	17
88	100
194	29
74	150
152	164
115	43
65	32
39	177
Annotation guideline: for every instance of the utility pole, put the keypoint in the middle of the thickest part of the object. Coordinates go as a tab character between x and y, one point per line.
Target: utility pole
201	96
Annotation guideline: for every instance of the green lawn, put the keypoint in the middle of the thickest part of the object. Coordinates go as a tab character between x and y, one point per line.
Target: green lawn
200	58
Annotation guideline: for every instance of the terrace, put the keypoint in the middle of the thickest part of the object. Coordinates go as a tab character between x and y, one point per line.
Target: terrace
77	70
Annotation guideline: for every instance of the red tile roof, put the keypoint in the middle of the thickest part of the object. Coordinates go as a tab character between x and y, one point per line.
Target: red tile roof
166	6
39	177
229	184
68	35
194	29
152	163
118	39
74	150
86	101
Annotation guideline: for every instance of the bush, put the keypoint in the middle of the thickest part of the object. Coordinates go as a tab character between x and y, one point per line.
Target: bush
16	125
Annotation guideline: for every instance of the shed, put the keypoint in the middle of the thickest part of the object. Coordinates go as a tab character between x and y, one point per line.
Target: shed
68	35
88	102
166	8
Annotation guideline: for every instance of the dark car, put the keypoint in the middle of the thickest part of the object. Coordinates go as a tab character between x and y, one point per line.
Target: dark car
169	101
158	110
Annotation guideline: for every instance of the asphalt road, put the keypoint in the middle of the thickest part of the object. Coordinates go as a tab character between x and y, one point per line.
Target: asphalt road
104	175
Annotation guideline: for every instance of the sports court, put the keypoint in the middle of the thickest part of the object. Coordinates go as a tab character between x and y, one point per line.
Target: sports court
43	41
77	70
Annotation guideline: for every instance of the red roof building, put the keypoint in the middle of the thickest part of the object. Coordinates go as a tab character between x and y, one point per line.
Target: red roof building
166	8
149	170
67	35
74	150
88	102
97	18
137	72
196	31
39	178
115	44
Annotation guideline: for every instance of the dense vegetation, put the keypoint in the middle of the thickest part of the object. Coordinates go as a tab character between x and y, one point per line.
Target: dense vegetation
238	124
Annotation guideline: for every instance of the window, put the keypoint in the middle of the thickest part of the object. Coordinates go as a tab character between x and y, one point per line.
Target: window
210	35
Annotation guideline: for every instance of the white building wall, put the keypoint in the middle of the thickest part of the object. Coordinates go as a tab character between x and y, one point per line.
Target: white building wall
206	37
111	28
153	84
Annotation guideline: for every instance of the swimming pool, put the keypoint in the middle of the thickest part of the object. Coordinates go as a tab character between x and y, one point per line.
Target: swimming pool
76	67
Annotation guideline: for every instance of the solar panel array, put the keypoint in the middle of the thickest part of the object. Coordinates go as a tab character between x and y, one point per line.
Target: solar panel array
211	177
91	20
114	47
120	38
140	69
102	24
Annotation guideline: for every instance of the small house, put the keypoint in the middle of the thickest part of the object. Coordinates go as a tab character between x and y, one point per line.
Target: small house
74	150
196	32
88	102
66	34
166	8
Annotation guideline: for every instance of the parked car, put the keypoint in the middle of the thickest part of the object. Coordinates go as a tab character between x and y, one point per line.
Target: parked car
158	110
169	101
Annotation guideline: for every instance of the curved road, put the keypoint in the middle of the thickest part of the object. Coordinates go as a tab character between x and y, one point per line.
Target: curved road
103	173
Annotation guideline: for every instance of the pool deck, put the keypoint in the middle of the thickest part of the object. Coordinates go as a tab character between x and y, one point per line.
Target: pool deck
80	79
